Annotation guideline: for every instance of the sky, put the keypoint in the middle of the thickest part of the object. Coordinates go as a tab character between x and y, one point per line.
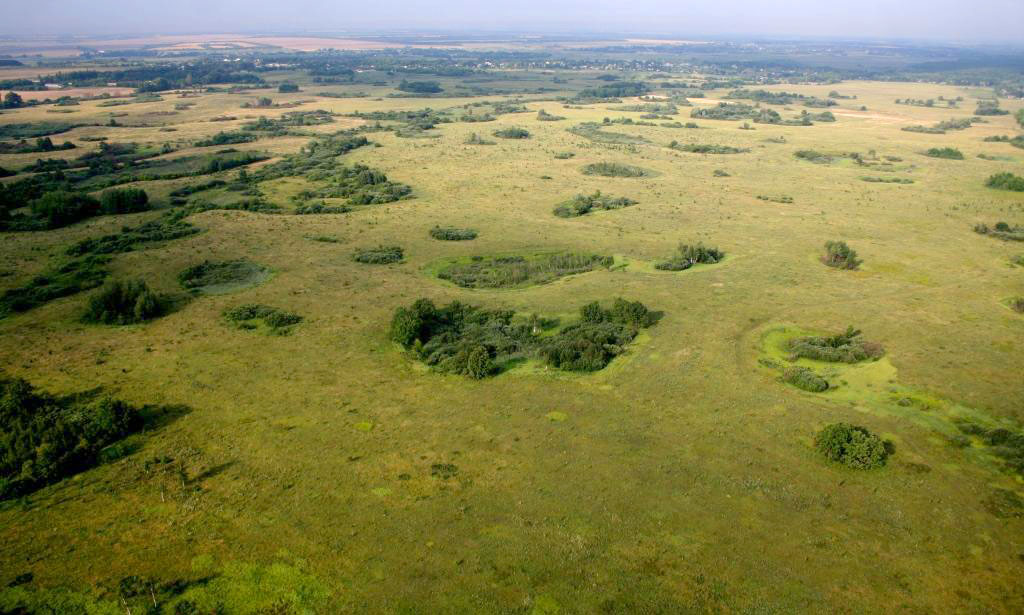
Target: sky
953	20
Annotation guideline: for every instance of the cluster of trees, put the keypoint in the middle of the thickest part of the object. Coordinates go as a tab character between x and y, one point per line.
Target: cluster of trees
12	100
841	256
420	87
245	317
512	132
612	91
844	347
380	255
688	255
513	271
852	446
124	302
217	273
1006	181
949	153
287	88
707	148
583	204
951	103
158	77
1008	444
226	138
613	169
467	340
41	145
1001	230
44	438
450	233
805	379
990	107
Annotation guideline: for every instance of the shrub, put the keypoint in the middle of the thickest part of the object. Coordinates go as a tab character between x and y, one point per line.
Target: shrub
813	156
687	256
61	208
211	276
1001	230
721	173
277	320
226	138
512	133
420	87
1006	181
593	132
845	347
840	255
124	201
583	204
1017	305
544	116
44	439
851	446
599	337
564	155
381	255
123	303
448	233
67	279
614	169
704	148
513	271
287	88
806	379
949	153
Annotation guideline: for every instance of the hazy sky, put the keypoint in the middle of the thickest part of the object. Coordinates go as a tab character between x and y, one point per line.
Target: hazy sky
976	20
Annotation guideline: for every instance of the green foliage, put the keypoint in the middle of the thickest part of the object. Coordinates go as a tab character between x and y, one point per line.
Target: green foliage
201	187
467	340
449	233
990	107
564	155
804	378
41	145
318	159
210	276
123	302
705	148
1006	181
61	208
840	255
845	347
887	180
687	256
420	87
381	255
728	111
34	129
67	279
612	91
775	199
278	321
124	201
813	156
512	133
593	132
852	446
544	116
1001	230
226	138
514	271
287	88
583	204
44	439
614	169
599	337
949	153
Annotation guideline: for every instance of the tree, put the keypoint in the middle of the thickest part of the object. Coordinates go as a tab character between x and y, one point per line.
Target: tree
12	101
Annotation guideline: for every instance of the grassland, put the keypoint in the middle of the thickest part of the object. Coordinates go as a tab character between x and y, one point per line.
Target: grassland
682	478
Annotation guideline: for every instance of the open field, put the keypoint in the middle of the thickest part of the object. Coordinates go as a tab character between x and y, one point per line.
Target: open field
681	478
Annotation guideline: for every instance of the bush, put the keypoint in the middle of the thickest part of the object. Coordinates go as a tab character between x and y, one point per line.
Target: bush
448	233
845	347
806	379
277	320
583	204
614	169
1006	181
420	87
687	256
702	148
381	255
61	208
287	88
544	116
44	439
72	277
949	153
1001	230
513	271
226	138
851	446
512	133
123	303
840	255
124	201
467	340
209	275
1017	305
